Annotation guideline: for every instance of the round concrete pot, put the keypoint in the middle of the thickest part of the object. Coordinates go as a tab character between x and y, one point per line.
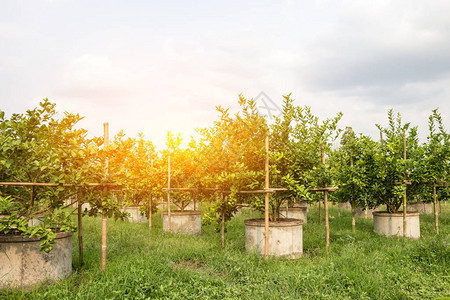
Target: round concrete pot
285	237
302	204
299	213
365	213
22	264
345	205
187	221
421	207
135	214
391	224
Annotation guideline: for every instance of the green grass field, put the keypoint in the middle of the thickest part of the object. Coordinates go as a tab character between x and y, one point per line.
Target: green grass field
361	265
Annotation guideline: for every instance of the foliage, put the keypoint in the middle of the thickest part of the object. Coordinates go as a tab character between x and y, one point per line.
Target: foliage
296	139
143	173
183	170
231	156
352	165
435	165
39	147
390	169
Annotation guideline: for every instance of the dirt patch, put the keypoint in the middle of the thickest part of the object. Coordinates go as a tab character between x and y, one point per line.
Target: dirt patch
194	264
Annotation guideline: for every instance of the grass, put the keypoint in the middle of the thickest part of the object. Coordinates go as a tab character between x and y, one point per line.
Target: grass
360	265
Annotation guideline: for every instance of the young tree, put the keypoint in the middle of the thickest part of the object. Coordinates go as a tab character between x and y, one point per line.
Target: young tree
231	157
435	163
296	139
37	147
184	170
352	165
390	167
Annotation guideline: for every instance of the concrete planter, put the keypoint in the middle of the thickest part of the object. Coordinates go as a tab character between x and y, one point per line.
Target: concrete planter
85	207
36	221
299	213
74	203
345	205
285	237
22	264
187	221
302	204
421	207
135	214
360	213
391	224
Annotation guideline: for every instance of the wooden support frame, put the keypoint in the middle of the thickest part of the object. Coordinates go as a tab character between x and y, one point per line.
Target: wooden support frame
105	216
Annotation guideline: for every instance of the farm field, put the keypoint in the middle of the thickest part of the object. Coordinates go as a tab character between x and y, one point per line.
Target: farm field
360	265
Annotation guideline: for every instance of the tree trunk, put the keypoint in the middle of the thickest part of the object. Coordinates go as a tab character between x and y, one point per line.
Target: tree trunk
150	214
320	214
353	218
80	229
436	214
223	227
327	224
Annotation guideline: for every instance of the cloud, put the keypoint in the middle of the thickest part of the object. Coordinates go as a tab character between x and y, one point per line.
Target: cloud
380	47
94	77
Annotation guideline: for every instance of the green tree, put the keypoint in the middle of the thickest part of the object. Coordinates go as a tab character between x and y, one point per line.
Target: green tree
352	165
37	147
296	139
390	167
231	156
184	170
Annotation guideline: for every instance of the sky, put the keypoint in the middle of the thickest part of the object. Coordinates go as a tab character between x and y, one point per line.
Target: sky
158	66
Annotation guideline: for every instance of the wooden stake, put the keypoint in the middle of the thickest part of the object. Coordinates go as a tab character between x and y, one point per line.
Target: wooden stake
169	221
404	195
320	212
80	228
327	225
104	215
325	204
266	202
353	195
436	214
353	218
223	227
150	204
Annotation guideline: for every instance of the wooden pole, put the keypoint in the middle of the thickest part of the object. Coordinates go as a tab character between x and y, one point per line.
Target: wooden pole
436	213
56	184
320	212
223	227
169	221
325	204
327	224
353	195
80	227
353	217
404	195
266	202
150	208
367	208
104	215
